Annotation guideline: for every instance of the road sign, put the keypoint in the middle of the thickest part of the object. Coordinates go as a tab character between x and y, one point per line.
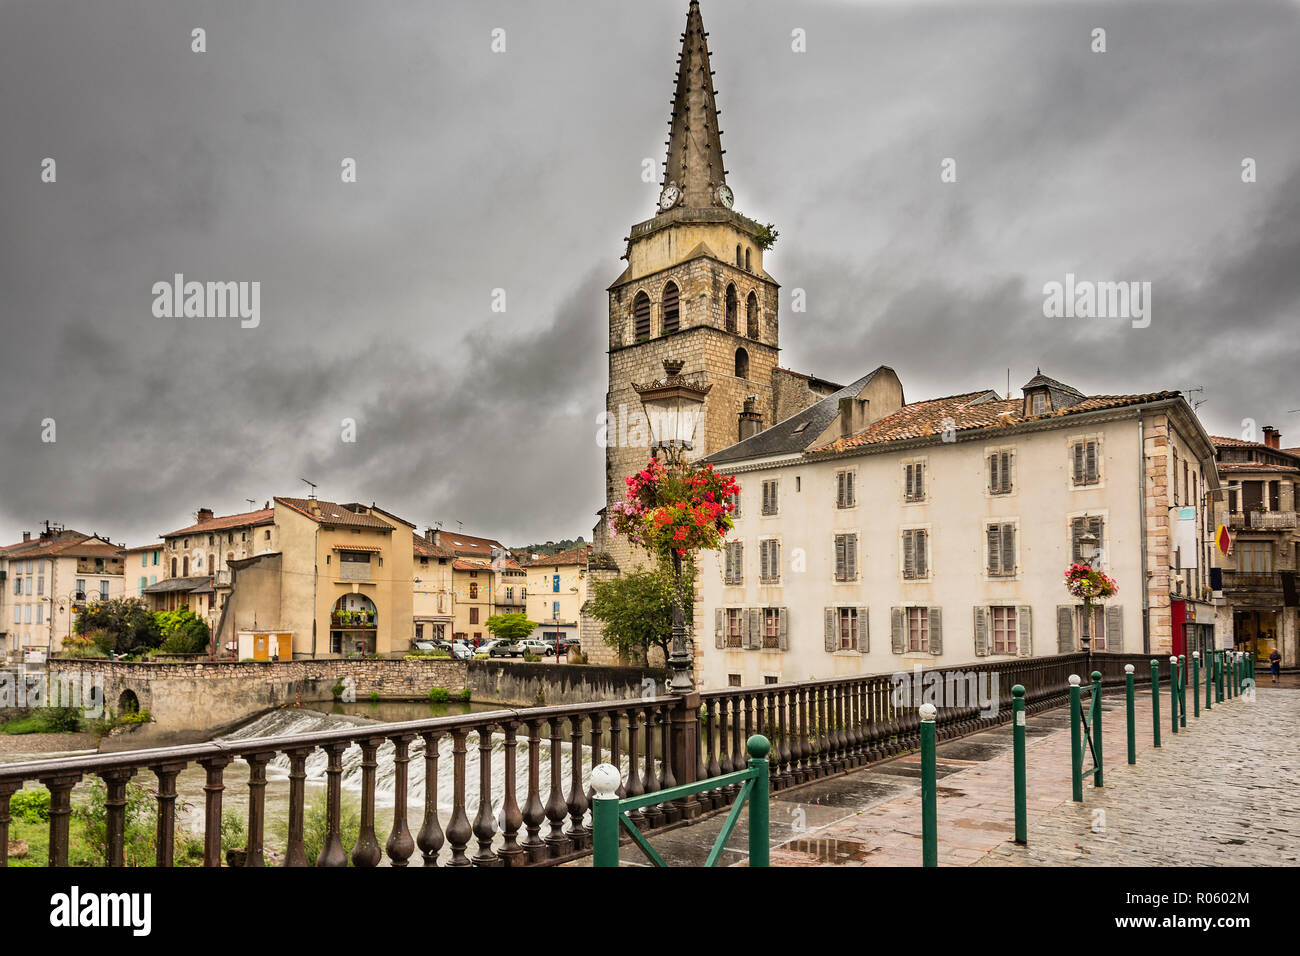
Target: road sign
1223	539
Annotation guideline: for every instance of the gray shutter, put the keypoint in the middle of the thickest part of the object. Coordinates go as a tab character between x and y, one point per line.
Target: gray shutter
936	631
1078	462
995	482
981	632
898	636
1007	484
851	492
1064	628
920	480
832	636
762	561
851	552
740	562
717	627
1092	470
864	630
1076	530
1009	548
783	629
909	554
922	553
995	549
839	489
1024	621
755	631
841	565
1115	629
774	562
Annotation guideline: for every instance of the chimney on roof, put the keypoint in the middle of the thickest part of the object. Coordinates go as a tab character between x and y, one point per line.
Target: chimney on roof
1272	437
751	419
27	536
203	514
853	416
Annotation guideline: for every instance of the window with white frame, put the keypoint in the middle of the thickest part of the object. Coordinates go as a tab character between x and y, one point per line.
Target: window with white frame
918	628
1085	461
848	621
769	565
772	628
845	492
846	557
916	553
1000	464
1003	623
735	633
914	481
1001	548
735	563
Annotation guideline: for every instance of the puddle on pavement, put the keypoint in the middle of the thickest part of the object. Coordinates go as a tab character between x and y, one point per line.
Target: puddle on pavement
833	851
969	750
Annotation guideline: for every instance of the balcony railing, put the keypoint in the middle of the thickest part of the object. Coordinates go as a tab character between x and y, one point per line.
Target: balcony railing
817	728
1262	520
1250	579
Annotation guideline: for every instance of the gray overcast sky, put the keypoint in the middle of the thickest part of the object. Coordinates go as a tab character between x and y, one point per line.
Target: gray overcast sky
521	170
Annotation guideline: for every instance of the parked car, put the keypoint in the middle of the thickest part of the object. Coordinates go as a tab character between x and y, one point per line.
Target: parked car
425	646
461	651
534	646
486	646
506	649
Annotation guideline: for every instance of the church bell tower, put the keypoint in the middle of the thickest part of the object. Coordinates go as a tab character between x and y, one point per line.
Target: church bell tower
694	291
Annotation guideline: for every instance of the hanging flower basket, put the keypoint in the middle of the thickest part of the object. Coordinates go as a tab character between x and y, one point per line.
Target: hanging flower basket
1088	584
678	509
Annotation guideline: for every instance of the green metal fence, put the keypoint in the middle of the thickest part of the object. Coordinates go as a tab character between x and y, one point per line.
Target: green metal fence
609	813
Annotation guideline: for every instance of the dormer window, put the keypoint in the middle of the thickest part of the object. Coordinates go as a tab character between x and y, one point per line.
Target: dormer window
1039	402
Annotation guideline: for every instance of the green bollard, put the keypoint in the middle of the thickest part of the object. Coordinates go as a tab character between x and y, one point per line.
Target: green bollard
1018	756
605	779
1132	722
1196	683
929	790
1155	700
1076	740
760	844
1182	690
1173	691
1096	727
1236	674
1209	680
1218	676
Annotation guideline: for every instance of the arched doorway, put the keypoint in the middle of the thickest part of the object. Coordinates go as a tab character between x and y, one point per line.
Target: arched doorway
128	703
353	623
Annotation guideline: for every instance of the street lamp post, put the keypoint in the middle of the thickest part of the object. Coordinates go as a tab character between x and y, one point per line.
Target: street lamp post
1088	551
673	406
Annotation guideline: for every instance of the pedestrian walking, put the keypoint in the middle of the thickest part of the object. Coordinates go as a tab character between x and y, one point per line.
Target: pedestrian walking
1275	665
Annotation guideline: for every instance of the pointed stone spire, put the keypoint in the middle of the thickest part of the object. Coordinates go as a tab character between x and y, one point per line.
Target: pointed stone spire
694	142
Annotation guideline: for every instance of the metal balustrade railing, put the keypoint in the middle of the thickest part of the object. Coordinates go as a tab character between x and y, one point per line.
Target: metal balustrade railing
531	800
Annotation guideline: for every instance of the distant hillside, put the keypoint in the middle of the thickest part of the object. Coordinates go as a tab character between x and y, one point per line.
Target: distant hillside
550	547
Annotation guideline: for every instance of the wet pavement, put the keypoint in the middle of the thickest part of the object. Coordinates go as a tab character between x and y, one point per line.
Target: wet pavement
1241	757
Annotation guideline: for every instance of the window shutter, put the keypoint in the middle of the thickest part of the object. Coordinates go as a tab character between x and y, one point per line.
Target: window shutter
754	629
920	480
1024	622
851	554
864	630
839	489
1006	471
762	561
850	491
1077	449
898	635
995	549
1076	529
841	564
717	627
774	560
936	631
1064	628
1092	461
1115	628
832	637
909	555
922	555
1009	548
783	629
995	480
981	632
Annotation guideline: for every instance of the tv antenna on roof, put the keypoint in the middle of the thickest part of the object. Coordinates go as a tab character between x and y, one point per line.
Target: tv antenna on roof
1192	389
252	503
312	494
460	526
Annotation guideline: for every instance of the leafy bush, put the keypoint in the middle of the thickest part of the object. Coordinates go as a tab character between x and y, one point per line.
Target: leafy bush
127	623
374	696
463	695
46	720
337	690
183	632
82	646
439	695
579	659
531	658
482	657
30	806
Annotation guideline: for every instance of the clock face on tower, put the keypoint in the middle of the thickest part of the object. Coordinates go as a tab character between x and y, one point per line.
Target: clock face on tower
669	197
725	195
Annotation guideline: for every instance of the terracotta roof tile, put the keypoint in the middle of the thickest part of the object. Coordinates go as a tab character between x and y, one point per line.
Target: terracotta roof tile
72	544
333	514
244	519
963	413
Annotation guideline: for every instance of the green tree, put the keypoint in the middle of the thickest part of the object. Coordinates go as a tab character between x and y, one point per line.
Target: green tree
127	621
510	627
183	631
637	610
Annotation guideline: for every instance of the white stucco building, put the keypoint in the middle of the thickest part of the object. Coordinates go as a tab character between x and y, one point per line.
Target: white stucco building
874	534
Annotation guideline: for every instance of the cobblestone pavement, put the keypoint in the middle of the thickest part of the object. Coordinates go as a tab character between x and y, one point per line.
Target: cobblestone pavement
1224	790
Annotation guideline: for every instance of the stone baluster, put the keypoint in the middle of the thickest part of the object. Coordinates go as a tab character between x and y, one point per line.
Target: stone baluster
7	790
430	838
115	782
459	830
165	831
654	816
534	812
485	827
400	846
254	855
556	839
634	787
295	852
60	787
577	801
367	852
213	788
667	779
511	853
